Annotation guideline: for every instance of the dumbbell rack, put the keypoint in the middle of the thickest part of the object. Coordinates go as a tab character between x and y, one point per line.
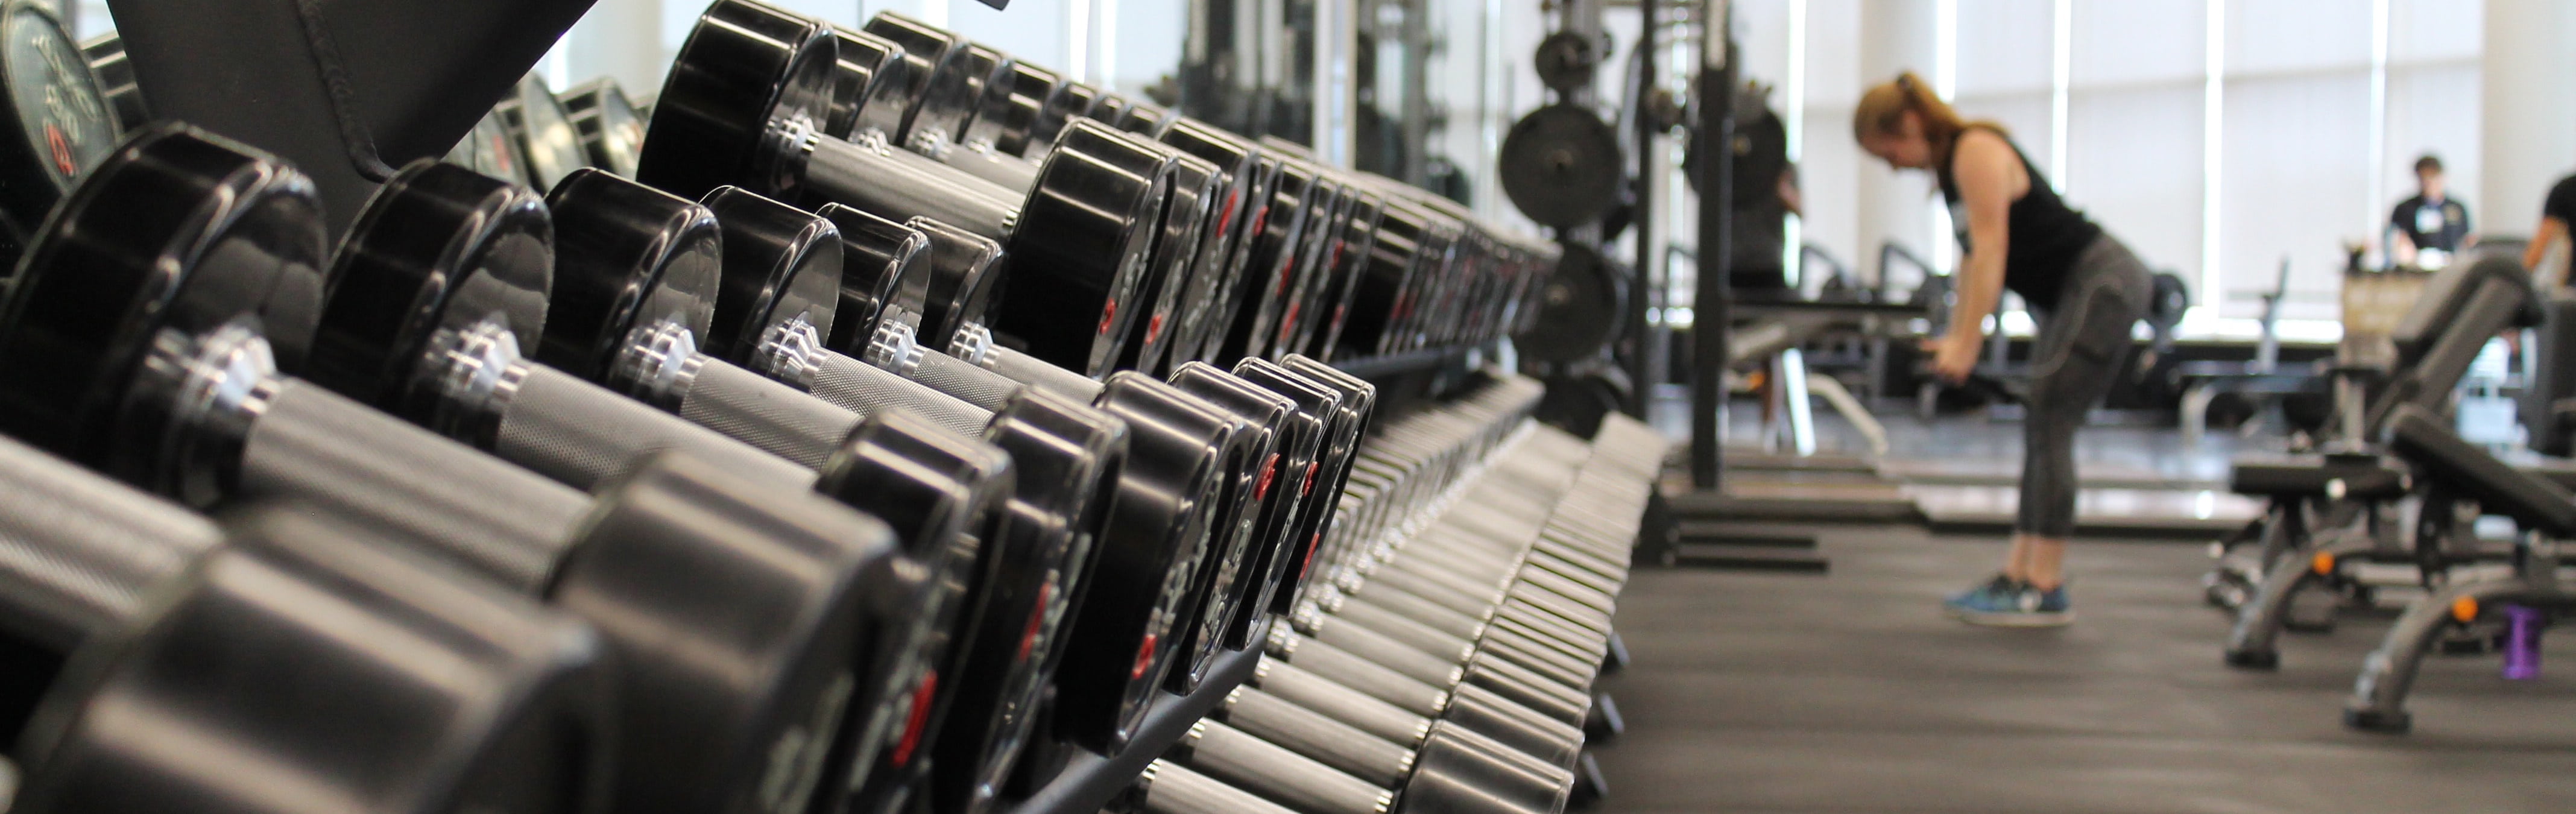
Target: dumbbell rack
1089	781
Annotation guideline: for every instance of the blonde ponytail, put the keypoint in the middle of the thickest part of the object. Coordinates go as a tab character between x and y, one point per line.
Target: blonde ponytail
1882	110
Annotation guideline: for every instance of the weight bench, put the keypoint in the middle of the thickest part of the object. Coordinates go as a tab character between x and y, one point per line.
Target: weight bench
2539	507
1776	327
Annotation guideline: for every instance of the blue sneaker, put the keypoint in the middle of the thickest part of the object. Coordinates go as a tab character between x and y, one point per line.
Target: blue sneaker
2005	602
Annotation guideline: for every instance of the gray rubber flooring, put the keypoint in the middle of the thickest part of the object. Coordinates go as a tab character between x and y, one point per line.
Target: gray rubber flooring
1771	694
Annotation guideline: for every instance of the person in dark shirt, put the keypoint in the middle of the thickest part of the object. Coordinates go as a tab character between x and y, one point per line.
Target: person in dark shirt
2083	286
2426	230
2555	215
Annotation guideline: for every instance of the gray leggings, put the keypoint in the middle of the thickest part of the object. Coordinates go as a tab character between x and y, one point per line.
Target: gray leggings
2083	340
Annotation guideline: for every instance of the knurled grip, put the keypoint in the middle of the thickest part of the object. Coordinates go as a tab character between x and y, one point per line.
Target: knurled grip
1315	735
1170	788
1405	692
586	435
864	388
970	384
1377	648
78	551
764	414
1227	754
1031	370
341	456
1341	703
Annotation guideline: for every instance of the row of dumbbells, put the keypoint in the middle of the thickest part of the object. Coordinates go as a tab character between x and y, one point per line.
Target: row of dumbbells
1444	663
795	577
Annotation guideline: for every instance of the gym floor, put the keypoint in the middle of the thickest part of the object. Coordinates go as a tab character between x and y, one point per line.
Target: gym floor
1851	692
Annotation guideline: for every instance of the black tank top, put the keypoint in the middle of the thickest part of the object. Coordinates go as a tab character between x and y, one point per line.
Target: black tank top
2045	234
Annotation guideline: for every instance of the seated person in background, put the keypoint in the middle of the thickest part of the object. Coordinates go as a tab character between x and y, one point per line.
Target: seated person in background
2555	214
2429	228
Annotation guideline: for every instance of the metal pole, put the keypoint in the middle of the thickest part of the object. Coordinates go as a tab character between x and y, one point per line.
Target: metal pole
1716	207
1646	346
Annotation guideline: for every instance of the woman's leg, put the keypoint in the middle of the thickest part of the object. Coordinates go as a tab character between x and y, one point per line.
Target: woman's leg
2078	359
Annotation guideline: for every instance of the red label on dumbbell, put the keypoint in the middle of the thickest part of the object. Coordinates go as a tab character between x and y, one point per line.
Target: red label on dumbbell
1037	617
1108	314
912	724
1144	659
1269	471
1309	566
1154	328
1226	220
1309	489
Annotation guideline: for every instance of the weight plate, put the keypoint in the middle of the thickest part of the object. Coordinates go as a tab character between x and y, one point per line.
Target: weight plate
708	126
106	55
1343	429
1037	104
176	233
1324	238
1089	225
627	256
1123	641
964	275
1331	306
1240	533
1567	61
1561	166
1075	102
1069	455
438	250
1280	232
945	496
542	132
870	82
62	120
1221	256
1196	185
1385	276
782	275
879	258
612	133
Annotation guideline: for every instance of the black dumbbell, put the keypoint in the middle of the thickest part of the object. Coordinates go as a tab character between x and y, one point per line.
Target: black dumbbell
65	126
225	244
131	626
541	129
447	269
611	131
1082	234
106	55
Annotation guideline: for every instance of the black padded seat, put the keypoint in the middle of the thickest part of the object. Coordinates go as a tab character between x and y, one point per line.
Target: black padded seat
2534	502
2365	477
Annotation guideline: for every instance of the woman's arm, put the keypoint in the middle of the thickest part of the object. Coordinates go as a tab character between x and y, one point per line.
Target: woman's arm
1990	177
2551	231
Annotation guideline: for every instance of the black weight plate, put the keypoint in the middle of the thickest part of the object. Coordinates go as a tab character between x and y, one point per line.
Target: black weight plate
106	55
1236	539
612	132
871	80
438	250
1278	493
1222	257
948	79
1435	281
387	685
1069	456
963	276
1567	61
743	618
945	495
1286	315
744	68
1037	103
627	256
1292	213
542	131
884	269
1081	247
782	272
176	231
1304	466
58	115
1383	278
1122	640
1187	215
1342	432
1561	166
1075	102
1331	308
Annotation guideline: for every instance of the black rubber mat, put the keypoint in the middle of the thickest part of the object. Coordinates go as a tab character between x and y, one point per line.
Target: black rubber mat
1755	692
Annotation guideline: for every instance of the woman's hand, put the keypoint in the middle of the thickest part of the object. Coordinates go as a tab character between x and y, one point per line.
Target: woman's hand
1954	357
